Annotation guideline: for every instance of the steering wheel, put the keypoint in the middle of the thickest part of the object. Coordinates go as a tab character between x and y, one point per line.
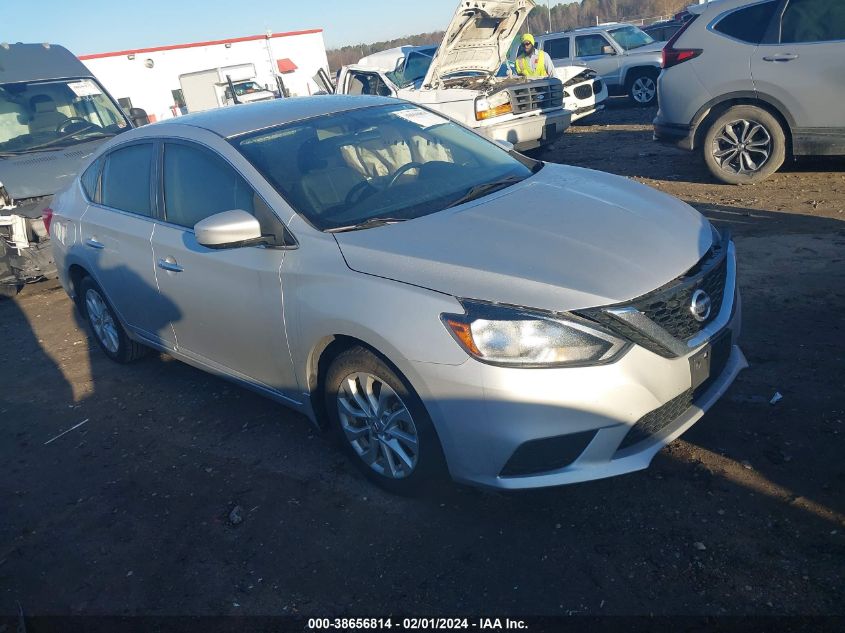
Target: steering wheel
395	175
61	127
356	194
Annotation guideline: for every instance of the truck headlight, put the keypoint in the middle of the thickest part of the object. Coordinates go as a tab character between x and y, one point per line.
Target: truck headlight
493	105
520	337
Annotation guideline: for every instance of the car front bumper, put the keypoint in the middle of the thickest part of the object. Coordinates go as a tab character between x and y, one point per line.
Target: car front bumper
576	421
527	131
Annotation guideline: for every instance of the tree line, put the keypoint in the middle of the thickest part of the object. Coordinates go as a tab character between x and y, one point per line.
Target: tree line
563	17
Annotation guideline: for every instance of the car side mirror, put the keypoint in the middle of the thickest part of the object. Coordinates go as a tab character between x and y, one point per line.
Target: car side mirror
139	116
229	229
506	145
607	49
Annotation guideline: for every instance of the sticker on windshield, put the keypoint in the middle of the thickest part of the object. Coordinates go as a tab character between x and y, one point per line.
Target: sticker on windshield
85	88
423	118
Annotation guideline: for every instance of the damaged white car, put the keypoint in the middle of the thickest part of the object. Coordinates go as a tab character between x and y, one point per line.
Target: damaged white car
469	79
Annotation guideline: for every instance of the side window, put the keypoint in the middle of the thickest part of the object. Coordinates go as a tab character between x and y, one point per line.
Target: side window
589	45
198	184
748	24
367	84
125	181
91	180
813	21
557	48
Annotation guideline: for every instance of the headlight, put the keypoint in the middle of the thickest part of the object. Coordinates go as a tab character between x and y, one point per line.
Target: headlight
518	337
492	106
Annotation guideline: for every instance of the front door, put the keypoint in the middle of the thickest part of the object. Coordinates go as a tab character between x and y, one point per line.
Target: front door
230	300
590	48
803	68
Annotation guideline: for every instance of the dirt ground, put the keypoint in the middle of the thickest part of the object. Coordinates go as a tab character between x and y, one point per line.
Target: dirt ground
745	514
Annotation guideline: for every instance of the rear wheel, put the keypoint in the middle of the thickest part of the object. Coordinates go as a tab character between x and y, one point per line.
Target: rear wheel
382	423
105	326
744	145
9	291
642	88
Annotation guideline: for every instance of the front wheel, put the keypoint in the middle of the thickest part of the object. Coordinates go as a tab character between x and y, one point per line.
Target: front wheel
744	145
382	423
642	89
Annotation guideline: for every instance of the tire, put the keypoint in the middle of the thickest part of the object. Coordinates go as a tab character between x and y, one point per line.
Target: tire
748	128
642	88
9	291
370	440
104	325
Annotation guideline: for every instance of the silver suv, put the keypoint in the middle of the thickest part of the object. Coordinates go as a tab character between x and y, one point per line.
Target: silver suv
749	83
627	58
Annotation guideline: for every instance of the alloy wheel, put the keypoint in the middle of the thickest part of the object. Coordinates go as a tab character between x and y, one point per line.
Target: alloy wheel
742	147
643	89
99	315
378	425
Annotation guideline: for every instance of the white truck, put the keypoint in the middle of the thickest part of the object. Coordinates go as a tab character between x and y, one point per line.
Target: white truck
217	87
469	79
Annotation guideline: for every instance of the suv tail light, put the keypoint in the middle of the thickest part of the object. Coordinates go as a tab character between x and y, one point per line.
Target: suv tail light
673	56
47	216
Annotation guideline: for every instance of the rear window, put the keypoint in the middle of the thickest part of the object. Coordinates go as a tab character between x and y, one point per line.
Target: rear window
557	49
748	24
813	21
126	179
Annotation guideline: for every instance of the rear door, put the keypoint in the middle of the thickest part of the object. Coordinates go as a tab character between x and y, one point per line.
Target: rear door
229	301
558	49
589	49
116	230
801	63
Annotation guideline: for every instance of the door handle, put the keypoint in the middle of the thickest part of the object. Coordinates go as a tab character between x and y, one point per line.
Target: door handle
783	57
169	264
93	243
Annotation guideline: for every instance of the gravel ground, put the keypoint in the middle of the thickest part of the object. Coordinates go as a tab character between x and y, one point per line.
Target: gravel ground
130	513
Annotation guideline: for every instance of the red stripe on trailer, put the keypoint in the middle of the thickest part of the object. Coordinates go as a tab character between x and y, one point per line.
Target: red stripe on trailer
155	49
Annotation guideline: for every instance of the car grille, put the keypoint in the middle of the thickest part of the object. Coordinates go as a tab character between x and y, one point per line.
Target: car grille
670	306
598	86
536	96
655	421
584	91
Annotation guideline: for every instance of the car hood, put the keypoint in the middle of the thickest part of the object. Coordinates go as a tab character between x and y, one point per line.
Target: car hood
566	238
43	173
652	48
478	38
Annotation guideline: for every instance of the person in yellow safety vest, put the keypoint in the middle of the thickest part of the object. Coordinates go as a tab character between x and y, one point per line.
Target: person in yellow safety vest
532	62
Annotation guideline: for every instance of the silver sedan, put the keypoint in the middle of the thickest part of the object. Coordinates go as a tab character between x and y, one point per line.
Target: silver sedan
443	304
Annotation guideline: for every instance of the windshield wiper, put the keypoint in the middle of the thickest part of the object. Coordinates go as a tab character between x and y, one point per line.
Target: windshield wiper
366	224
484	188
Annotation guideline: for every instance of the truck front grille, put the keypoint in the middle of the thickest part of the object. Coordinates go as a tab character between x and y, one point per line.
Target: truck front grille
536	96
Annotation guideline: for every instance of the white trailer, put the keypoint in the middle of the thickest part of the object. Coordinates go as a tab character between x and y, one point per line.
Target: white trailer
216	87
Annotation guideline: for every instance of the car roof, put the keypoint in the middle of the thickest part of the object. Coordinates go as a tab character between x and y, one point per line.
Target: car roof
36	62
248	117
601	28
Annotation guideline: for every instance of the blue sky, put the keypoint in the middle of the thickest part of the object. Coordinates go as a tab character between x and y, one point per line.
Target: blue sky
97	26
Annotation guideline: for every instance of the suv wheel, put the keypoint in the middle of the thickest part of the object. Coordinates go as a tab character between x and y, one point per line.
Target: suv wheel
105	326
642	88
744	145
382	423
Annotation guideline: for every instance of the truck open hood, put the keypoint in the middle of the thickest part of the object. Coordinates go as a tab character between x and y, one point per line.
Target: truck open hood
43	173
564	239
478	38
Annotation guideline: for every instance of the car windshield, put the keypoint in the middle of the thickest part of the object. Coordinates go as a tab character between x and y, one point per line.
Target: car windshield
414	69
247	87
630	37
48	114
390	163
